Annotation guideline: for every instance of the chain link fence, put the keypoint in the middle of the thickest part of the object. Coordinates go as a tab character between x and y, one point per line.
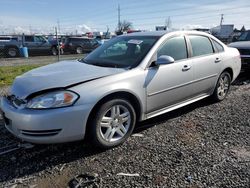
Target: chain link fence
40	49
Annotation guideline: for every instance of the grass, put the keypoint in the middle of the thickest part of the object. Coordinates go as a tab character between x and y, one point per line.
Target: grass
9	73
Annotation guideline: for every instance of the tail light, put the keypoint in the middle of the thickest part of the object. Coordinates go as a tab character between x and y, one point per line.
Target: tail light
62	45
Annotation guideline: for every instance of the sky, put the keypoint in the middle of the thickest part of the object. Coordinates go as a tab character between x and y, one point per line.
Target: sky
42	16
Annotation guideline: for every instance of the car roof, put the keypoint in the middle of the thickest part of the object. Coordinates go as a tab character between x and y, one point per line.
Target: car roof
162	33
78	37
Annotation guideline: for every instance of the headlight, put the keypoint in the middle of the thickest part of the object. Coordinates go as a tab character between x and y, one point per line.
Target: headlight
54	99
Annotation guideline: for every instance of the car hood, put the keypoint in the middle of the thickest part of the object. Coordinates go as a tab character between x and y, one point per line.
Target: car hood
58	75
240	45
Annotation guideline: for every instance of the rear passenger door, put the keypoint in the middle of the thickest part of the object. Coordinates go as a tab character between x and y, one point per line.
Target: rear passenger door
42	45
206	62
29	42
87	45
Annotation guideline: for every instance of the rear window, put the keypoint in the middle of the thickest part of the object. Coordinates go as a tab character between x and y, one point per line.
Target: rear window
201	45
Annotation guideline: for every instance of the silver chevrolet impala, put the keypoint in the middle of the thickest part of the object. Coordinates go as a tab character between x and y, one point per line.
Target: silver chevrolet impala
128	79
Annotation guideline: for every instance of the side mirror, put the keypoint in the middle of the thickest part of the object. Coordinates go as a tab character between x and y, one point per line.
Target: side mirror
164	60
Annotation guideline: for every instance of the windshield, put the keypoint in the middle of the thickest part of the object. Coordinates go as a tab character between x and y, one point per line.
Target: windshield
244	36
121	52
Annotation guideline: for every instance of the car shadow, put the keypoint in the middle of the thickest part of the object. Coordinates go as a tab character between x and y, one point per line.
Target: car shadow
22	163
243	78
27	162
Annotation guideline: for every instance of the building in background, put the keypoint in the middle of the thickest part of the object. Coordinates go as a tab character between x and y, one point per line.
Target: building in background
223	32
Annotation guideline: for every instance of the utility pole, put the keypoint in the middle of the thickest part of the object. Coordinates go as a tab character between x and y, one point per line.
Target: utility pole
58	45
119	18
58	26
168	23
221	19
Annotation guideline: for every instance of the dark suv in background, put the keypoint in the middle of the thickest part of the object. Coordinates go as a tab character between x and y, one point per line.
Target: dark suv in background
243	45
78	45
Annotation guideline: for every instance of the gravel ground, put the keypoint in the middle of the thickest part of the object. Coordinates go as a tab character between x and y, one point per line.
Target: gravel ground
201	145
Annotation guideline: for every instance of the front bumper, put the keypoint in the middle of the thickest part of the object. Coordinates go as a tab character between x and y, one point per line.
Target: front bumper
46	126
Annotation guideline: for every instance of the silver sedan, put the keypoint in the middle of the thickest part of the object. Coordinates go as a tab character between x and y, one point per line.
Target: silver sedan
128	79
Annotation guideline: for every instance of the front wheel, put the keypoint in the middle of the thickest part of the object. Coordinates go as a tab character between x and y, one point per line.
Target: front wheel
113	123
222	87
12	52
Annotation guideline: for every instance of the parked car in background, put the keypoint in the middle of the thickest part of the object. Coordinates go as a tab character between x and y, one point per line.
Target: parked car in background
79	45
3	41
128	79
35	44
243	45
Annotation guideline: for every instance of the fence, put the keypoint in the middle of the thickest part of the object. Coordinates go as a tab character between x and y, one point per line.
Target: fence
35	48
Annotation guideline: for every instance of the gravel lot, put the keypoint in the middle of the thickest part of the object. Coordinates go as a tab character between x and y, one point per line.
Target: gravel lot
201	145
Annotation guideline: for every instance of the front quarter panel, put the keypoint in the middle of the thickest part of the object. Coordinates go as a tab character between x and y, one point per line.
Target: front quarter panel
131	81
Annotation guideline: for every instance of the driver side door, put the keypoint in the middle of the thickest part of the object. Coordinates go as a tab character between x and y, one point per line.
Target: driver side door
168	85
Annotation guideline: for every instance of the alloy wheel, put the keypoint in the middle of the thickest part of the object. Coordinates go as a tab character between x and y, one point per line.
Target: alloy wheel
115	123
223	86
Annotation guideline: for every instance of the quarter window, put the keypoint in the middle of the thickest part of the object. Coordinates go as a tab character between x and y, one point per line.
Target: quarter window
200	45
218	46
174	47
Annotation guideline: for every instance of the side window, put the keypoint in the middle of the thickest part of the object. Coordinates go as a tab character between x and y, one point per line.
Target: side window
174	47
200	45
39	39
29	39
218	46
248	37
85	41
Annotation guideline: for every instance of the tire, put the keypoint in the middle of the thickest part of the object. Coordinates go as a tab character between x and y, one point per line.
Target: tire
79	50
112	124
222	87
54	51
12	52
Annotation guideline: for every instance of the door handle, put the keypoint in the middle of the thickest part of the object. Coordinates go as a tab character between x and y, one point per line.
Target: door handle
186	67
217	60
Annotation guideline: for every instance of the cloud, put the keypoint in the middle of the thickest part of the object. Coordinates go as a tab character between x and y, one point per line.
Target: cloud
20	30
84	28
192	26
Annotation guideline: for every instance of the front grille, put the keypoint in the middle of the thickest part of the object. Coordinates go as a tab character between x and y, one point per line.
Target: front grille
15	101
39	133
244	51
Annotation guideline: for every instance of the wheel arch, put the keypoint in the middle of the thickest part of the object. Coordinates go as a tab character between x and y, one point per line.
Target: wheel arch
230	71
120	95
7	47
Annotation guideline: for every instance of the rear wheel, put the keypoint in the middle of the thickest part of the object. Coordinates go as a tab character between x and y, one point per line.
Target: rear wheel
222	87
113	123
54	50
79	50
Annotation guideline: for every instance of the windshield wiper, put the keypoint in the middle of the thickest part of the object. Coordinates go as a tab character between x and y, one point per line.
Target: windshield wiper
99	64
104	64
82	61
